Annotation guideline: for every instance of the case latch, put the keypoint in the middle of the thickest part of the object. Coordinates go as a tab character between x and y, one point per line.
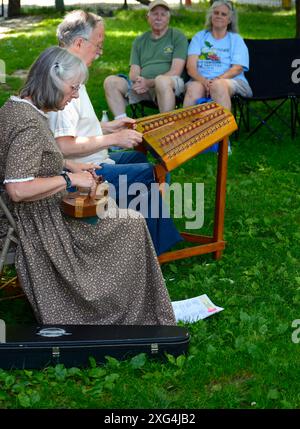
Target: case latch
154	348
2	331
55	352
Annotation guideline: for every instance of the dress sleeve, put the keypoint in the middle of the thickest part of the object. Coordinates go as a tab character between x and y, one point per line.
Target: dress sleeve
25	152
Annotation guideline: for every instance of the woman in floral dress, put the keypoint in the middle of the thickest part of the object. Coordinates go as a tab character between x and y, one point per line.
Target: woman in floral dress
72	272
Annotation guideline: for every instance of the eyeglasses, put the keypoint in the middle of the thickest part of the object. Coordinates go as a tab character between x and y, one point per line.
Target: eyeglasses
98	46
75	88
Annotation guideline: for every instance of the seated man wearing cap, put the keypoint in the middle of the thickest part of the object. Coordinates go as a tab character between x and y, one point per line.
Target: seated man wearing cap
156	64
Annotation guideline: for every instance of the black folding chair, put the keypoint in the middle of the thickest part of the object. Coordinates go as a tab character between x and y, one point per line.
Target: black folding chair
272	77
138	109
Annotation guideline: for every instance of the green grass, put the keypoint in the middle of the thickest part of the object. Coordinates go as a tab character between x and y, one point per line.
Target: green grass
242	357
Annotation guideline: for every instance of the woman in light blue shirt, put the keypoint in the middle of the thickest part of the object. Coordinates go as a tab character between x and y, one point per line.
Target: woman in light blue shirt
217	59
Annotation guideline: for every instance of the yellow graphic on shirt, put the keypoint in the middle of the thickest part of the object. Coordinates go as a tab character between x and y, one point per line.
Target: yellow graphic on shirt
168	50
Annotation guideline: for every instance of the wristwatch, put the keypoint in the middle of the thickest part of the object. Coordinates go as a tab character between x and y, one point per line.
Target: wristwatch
67	179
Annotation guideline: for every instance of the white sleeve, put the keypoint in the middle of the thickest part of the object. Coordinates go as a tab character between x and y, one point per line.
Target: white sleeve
64	122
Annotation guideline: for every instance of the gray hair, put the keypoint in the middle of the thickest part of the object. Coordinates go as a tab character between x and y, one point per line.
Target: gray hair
48	74
77	23
233	25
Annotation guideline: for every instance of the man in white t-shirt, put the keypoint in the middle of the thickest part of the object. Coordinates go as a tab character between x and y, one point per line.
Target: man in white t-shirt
81	137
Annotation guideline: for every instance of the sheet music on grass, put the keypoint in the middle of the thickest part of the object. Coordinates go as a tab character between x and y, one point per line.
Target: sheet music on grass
193	309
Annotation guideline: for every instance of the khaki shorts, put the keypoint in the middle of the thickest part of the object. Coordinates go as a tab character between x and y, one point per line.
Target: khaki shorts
240	87
133	97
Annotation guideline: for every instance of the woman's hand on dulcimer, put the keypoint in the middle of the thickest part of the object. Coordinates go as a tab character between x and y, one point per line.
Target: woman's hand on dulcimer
83	179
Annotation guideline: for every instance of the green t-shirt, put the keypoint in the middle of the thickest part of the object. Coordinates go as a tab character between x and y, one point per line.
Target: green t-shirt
155	56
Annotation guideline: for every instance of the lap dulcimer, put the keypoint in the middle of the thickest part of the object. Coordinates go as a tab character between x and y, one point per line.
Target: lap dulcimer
82	203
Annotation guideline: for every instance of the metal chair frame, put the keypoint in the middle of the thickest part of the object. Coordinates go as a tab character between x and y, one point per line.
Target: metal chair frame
7	256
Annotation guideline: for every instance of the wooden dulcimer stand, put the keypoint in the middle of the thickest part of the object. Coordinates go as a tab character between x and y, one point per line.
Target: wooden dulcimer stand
177	136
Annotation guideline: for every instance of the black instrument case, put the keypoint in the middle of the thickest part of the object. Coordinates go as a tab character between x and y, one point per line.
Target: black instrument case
34	346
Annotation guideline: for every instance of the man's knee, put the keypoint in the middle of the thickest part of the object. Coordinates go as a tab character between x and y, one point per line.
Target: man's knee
163	83
135	172
112	83
141	172
138	157
129	157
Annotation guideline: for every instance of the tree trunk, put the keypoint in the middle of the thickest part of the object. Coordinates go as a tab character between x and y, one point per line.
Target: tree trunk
14	8
59	5
297	19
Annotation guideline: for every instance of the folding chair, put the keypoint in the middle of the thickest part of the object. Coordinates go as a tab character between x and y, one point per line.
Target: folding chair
7	234
138	109
273	84
8	242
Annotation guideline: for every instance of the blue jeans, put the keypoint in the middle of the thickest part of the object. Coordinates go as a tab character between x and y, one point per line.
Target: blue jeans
135	167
